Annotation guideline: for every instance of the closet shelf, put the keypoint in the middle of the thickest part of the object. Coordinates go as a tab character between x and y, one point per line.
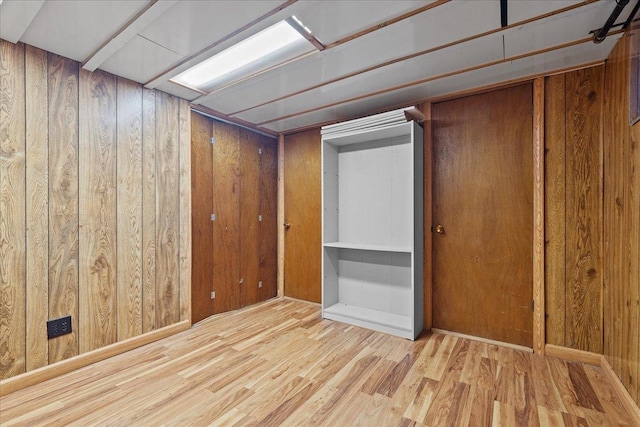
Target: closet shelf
382	318
369	247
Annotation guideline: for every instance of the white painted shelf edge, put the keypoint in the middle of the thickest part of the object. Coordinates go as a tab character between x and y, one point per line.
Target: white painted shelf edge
382	318
368	247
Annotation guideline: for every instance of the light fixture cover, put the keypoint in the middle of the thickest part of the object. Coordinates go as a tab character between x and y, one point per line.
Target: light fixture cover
243	56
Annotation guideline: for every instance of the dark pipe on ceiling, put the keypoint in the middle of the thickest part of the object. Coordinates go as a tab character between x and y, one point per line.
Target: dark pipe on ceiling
601	34
503	13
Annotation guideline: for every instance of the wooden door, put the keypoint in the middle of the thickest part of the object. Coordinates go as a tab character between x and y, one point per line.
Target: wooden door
226	226
302	196
201	225
269	223
483	198
249	217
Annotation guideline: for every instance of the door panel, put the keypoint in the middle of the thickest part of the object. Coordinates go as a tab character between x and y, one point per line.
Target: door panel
302	198
483	197
269	224
202	227
226	206
249	212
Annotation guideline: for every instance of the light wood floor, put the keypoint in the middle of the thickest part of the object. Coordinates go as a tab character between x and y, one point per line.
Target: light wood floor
281	364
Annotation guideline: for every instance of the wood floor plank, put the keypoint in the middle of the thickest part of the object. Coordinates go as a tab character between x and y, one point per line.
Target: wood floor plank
276	364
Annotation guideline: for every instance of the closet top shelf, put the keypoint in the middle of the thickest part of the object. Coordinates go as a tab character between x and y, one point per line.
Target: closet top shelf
368	135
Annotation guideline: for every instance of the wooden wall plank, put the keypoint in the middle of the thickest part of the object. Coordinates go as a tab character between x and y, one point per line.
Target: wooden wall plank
584	94
63	201
129	208
280	221
609	202
148	210
539	333
249	145
634	257
202	226
12	210
269	212
185	210
631	256
621	223
37	207
555	265
168	214
226	207
633	262
616	136
97	210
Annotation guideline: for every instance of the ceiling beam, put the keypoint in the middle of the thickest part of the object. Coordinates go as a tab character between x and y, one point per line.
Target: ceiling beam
127	32
433	78
15	18
416	54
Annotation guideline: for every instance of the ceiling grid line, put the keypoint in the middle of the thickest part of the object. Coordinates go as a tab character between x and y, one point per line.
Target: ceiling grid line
417	54
436	77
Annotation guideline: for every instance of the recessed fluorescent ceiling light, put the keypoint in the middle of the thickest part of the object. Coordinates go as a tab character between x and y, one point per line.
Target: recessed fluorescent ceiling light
259	46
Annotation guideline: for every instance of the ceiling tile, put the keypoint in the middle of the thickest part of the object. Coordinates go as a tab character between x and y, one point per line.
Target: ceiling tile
16	16
140	60
201	23
450	22
75	29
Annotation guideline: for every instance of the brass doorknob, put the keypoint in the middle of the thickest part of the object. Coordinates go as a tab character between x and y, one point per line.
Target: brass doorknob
439	229
287	226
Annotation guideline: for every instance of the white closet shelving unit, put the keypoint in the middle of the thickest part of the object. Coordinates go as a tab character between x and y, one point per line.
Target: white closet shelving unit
372	224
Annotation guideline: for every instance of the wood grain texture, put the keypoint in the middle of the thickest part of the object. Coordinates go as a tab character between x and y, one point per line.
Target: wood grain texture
302	197
12	210
97	211
129	208
168	212
226	207
280	222
621	223
249	367
149	209
555	208
539	338
63	86
185	211
250	226
54	370
202	226
428	213
269	212
37	206
584	89
483	143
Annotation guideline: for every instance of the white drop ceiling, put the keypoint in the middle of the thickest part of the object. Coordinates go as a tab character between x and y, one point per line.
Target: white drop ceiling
380	54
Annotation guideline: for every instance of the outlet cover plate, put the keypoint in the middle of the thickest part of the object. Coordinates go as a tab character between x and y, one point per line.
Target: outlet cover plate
58	327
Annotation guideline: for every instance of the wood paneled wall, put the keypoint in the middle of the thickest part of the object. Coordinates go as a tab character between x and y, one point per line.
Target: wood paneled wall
94	196
621	223
573	201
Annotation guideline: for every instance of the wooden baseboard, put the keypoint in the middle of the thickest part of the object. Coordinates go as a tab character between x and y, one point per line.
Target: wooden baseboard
47	372
572	354
627	401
